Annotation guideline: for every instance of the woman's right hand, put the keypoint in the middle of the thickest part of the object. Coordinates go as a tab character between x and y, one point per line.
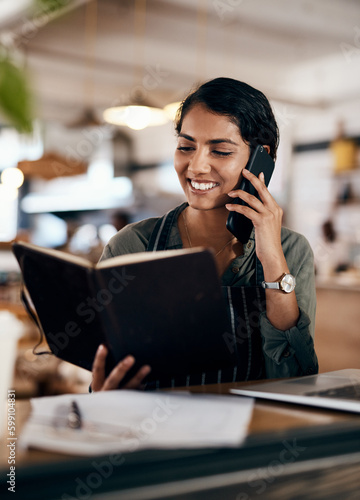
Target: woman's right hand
112	381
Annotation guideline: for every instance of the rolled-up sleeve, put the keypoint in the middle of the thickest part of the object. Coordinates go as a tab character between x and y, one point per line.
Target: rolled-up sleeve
291	352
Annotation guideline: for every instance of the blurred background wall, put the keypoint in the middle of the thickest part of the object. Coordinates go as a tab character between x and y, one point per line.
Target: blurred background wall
70	179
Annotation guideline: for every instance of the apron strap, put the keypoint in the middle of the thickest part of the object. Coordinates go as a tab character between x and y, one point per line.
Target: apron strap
161	232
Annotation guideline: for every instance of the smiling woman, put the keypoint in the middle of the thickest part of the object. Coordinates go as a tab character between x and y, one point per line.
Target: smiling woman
209	158
219	126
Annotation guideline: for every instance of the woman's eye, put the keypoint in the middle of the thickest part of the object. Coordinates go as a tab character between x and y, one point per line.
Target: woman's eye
222	153
187	149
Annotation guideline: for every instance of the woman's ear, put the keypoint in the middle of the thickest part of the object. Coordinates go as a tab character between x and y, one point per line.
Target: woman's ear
267	148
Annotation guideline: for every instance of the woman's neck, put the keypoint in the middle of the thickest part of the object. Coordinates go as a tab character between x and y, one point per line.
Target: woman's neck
207	225
207	228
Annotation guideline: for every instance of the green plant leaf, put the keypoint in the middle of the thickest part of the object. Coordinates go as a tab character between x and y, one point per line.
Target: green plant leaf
15	96
50	5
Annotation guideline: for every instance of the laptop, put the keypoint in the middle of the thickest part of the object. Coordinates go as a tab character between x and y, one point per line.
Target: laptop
338	390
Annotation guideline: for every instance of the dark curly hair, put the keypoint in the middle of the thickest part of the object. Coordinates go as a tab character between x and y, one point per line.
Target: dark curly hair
245	106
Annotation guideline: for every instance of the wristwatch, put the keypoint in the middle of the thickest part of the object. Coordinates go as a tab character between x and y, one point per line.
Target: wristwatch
286	283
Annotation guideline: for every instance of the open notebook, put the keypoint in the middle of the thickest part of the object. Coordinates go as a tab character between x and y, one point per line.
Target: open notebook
165	308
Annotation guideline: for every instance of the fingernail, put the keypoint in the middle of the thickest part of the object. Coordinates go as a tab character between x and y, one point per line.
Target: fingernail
100	348
228	206
146	369
231	193
262	177
129	360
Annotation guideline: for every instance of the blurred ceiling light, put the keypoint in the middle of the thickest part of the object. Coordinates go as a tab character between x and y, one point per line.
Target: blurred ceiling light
12	177
136	117
171	109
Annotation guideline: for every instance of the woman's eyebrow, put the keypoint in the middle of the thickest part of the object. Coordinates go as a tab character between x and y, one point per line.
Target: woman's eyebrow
218	141
188	137
210	141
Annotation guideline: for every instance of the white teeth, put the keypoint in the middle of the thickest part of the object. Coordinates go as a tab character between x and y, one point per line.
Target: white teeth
203	186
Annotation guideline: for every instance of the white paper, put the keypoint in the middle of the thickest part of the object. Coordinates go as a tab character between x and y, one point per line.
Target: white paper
123	421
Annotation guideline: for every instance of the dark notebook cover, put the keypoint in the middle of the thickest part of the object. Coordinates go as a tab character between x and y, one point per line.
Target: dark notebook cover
164	308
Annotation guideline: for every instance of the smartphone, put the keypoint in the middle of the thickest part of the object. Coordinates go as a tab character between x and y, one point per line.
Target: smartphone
260	161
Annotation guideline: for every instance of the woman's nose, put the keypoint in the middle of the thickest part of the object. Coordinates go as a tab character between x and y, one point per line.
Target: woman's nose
199	163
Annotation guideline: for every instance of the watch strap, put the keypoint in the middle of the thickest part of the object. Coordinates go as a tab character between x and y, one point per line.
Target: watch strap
272	285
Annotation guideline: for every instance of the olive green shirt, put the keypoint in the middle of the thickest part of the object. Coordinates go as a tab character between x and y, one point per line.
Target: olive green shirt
287	353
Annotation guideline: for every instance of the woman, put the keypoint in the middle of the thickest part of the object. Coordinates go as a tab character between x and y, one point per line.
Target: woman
218	127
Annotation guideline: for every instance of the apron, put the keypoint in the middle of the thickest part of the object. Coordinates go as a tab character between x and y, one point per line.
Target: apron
244	305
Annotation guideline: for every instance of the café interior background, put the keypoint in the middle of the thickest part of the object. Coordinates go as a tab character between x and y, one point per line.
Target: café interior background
75	179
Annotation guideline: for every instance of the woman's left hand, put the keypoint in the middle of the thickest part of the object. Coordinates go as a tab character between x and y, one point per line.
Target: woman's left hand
266	216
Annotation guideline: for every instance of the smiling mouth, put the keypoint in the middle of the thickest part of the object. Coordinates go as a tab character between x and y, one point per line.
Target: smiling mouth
203	186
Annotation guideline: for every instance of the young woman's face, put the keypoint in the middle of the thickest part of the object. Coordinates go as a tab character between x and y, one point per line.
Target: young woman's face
209	158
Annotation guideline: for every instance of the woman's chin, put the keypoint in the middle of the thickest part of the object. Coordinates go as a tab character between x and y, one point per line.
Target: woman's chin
206	205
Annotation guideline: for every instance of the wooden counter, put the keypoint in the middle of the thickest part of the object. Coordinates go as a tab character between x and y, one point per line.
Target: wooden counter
267	417
290	450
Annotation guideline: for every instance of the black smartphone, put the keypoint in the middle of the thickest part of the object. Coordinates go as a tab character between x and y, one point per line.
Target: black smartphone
260	161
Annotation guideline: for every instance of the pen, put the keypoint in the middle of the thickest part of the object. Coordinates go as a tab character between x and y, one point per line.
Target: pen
74	420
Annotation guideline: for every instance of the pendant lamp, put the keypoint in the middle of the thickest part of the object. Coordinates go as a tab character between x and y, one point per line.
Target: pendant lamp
139	113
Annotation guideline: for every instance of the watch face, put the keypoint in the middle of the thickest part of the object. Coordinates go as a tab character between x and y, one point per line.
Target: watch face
288	283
